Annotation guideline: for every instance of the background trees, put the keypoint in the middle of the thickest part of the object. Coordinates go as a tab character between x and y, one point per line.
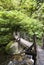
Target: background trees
20	15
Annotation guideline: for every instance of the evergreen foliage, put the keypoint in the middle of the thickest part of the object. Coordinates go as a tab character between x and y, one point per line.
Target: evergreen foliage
20	15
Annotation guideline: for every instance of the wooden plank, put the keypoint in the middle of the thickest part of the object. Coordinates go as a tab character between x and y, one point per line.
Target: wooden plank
25	43
22	41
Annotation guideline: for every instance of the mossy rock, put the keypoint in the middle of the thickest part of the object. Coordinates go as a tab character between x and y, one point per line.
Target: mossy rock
7	48
12	48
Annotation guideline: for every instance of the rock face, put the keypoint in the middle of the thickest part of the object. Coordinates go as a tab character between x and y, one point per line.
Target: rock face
13	48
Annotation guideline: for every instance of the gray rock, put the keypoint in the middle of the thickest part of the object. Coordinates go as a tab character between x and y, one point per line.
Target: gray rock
10	63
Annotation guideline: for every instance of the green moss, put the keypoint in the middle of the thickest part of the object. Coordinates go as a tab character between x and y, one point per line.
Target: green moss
8	45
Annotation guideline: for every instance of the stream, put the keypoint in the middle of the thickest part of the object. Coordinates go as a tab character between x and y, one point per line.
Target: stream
14	60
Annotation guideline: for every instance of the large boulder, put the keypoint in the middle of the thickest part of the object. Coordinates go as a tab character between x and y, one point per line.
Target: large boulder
13	48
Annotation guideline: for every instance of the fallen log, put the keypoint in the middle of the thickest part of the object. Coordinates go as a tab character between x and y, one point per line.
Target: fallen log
22	41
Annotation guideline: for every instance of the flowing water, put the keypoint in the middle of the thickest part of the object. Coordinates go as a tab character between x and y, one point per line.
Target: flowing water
14	60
